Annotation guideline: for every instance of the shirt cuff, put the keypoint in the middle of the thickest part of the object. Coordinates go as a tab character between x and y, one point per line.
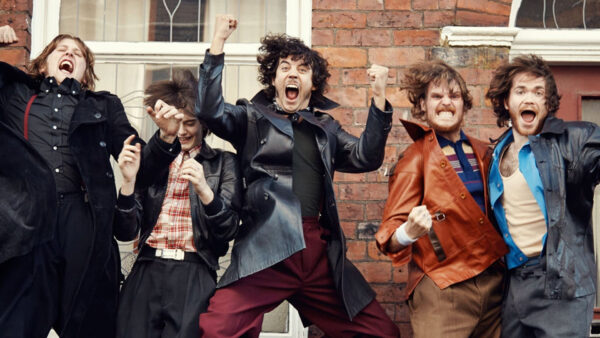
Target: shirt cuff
402	237
214	207
125	202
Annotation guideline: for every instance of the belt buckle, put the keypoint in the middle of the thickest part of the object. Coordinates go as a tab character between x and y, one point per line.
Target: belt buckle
175	254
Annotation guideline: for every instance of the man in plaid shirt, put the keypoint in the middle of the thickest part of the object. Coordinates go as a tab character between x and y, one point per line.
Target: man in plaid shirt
187	216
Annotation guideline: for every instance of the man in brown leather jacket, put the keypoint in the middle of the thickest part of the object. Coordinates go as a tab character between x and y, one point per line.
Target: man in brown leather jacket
435	216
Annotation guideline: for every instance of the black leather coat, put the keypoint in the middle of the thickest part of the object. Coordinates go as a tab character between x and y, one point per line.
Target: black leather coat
567	155
271	228
28	200
212	232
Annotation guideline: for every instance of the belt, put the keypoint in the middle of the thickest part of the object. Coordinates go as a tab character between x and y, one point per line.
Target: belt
534	267
171	254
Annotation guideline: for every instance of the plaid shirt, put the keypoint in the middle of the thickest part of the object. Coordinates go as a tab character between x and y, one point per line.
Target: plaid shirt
173	229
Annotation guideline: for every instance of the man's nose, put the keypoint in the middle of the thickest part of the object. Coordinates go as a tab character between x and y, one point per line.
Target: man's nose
446	100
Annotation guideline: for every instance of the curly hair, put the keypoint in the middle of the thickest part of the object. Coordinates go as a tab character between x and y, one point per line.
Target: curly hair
279	46
36	67
418	76
502	79
180	92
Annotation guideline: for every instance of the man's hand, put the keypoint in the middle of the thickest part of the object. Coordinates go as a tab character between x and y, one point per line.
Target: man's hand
419	222
378	76
225	24
129	163
7	34
167	118
194	172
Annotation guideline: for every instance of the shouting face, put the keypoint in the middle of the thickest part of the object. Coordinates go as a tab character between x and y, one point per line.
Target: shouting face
293	84
526	103
66	60
444	109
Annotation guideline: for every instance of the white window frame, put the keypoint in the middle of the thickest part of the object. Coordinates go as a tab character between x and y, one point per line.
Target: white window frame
557	46
45	26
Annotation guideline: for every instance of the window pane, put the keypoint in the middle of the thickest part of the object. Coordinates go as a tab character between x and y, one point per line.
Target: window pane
558	14
169	20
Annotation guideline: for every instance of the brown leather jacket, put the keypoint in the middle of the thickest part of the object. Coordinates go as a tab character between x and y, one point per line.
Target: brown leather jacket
463	242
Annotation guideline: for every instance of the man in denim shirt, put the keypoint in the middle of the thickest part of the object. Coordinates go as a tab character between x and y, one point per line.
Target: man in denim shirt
541	183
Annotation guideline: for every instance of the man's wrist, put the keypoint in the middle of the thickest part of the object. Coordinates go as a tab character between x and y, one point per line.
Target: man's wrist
402	237
167	138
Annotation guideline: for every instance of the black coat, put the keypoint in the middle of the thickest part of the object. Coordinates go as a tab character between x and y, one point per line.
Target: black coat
212	231
28	201
271	228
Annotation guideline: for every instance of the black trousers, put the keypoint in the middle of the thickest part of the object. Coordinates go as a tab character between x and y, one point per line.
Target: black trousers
164	298
526	313
38	290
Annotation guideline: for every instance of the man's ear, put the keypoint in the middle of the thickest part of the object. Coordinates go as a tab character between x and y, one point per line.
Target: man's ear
506	104
422	104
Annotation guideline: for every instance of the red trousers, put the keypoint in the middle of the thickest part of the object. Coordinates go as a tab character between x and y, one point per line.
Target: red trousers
305	280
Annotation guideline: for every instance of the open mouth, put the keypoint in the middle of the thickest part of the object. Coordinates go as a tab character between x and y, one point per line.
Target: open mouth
528	115
66	65
291	92
185	139
445	114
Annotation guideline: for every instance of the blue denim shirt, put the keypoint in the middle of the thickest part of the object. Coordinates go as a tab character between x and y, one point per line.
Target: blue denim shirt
528	168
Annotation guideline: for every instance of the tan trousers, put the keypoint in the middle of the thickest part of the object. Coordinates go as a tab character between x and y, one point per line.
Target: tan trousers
467	309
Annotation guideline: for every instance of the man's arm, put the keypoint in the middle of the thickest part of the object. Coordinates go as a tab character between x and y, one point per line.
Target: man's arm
367	152
225	120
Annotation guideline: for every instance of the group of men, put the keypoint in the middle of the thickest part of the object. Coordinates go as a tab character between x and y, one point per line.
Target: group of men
497	238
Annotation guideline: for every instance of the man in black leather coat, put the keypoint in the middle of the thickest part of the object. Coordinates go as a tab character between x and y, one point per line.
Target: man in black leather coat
290	245
187	217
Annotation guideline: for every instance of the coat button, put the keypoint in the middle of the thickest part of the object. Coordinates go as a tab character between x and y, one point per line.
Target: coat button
481	221
463	196
443	164
102	144
263	141
97	115
266	196
275	177
109	174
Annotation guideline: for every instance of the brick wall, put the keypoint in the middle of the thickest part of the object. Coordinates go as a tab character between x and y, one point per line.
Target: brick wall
17	14
353	34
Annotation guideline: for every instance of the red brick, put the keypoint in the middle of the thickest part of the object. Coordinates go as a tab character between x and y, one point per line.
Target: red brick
448	4
395	19
394	56
375	254
362	191
378	176
474	76
402	313
389	308
363	37
375	272
370	4
375	209
396	97
416	37
349	177
333	4
397	4
338	19
388	293
468	18
344	57
17	20
424	4
484	6
355	76
356	250
398	135
14	56
16	5
405	329
351	211
322	37
391	154
477	95
349	96
349	229
345	116
334	77
480	116
438	18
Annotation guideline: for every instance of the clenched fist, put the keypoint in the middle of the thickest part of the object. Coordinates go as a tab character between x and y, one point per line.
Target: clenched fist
378	76
419	222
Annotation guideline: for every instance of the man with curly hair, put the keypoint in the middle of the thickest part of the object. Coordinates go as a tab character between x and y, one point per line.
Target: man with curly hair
541	182
290	244
435	216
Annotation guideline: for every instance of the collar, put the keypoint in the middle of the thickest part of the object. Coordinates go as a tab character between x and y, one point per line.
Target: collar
316	101
415	130
206	152
444	141
553	125
69	86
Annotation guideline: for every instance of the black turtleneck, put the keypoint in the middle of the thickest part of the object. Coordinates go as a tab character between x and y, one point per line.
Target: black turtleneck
48	127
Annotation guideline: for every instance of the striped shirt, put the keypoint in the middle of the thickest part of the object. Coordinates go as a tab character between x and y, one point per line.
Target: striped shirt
463	160
173	229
